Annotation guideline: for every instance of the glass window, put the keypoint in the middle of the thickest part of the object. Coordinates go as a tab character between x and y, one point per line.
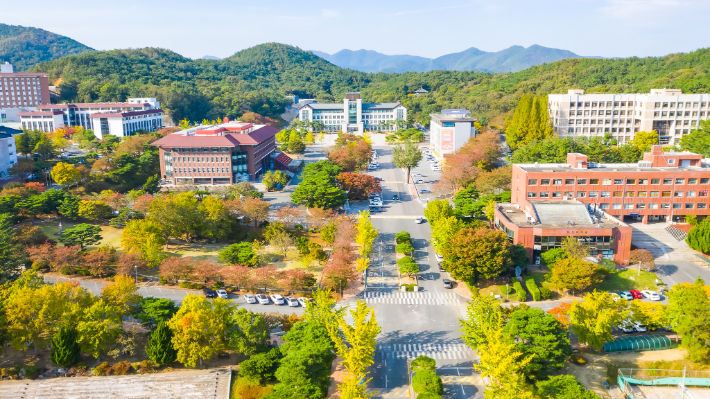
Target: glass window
705	180
668	182
606	182
532	194
702	193
545	182
618	193
593	194
640	206
702	205
615	206
557	182
628	206
604	206
665	194
679	181
569	182
532	182
654	193
690	193
678	194
643	181
581	194
618	181
569	194
677	206
581	181
693	181
665	206
593	181
655	181
630	181
544	195
606	194
653	206
556	194
689	205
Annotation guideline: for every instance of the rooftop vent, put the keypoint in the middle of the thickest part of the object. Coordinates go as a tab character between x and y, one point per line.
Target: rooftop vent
644	164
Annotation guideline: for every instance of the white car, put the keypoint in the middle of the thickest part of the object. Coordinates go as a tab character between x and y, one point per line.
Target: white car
291	301
222	294
249	298
418	175
640	328
372	167
278	299
419	181
375	203
626	328
418	220
303	301
424	191
263	299
439	258
437	168
651	295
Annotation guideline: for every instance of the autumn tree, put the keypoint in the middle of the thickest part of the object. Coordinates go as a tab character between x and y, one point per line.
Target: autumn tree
94	210
366	233
289	215
477	253
100	260
99	327
436	210
575	274
406	156
593	319
176	269
689	315
122	292
145	238
65	174
574	248
643	258
238	275
358	185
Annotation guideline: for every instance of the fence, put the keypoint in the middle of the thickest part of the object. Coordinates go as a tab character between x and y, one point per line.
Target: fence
654	377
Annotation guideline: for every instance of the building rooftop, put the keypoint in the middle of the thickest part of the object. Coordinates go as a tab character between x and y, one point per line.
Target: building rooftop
380	105
555	214
218	136
125	114
605	168
93	105
325	106
453	117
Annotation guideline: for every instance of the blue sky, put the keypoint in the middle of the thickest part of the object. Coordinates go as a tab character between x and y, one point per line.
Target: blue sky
609	28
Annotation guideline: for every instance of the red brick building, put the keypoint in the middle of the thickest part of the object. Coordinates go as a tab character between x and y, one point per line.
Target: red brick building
225	153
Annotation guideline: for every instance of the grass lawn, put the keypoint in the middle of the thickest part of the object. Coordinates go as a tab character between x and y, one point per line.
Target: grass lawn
485	288
239	382
627	280
110	235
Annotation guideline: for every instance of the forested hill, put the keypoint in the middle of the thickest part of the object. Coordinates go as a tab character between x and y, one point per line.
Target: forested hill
257	78
25	47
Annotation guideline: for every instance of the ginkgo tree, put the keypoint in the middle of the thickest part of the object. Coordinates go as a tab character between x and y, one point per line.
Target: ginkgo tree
366	233
592	319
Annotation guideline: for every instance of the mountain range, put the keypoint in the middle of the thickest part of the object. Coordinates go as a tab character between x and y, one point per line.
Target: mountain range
24	47
512	59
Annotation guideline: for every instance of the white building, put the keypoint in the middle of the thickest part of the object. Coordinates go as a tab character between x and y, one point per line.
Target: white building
8	152
450	130
117	119
22	89
354	116
668	111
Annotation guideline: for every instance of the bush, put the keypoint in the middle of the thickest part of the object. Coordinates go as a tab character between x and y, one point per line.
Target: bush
578	359
427	381
163	281
298	227
402	236
691	219
550	257
545	293
405	248
66	270
422	363
82	272
522	295
146	366
532	287
473	289
607	264
409	287
502	289
120	368
428	395
253	391
187	284
39	265
217	285
100	369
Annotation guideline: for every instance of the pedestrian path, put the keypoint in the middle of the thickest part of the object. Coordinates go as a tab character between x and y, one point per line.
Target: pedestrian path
462	380
412	298
388	392
434	351
410	217
382	280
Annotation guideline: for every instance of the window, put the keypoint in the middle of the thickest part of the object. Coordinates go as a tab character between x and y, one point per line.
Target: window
618	181
677	193
593	181
702	205
581	181
667	182
643	181
665	194
677	206
702	193
630	181
532	194
545	195
690	193
606	182
545	182
569	194
557	194
654	193
532	182
688	205
693	181
666	206
655	181
569	182
679	181
604	206
653	206
630	193
581	194
618	194
628	206
606	194
640	206
615	206
705	180
593	194
556	182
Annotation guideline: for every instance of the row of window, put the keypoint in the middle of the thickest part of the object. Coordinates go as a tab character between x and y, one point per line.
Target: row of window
617	182
597	122
618	194
204	170
687	104
201	159
199	149
664	205
564	130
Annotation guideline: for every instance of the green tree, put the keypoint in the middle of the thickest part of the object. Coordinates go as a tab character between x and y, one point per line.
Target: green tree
99	328
81	235
563	387
689	314
241	253
575	274
519	256
45	148
574	248
319	191
699	236
426	381
273	178
65	349
152	185
539	336
10	254
145	237
552	256
69	207
482	312
160	346
698	141
154	310
406	156
249	333
476	253
465	200
295	144
444	231
592	319
94	210
436	210
422	363
261	366
408	266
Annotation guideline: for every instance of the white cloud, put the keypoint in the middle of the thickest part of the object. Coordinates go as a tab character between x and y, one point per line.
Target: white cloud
330	13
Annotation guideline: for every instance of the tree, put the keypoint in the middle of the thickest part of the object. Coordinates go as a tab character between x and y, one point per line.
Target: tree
406	156
152	185
99	328
495	181
261	366
318	191
476	253
644	258
482	312
274	178
563	387
65	174
698	141
328	232
65	349
160	347
81	235
322	310
561	313
651	314
575	274
530	121
366	233
249	333
465	200
94	210
122	292
408	266
539	336
426	381
45	148
10	255
437	210
699	236
177	215
255	209
552	256
240	253
422	363
574	248
689	314
99	262
154	310
443	232
295	144
282	241
144	237
358	185
593	319
69	207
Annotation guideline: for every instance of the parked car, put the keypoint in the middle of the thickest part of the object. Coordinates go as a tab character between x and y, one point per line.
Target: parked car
249	298
424	191
222	294
418	175
626	295
375	208
372	167
614	296
439	258
303	301
441	267
640	327
419	220
278	299
651	295
209	293
419	181
636	294
291	301
395	197
436	168
448	284
263	299
626	328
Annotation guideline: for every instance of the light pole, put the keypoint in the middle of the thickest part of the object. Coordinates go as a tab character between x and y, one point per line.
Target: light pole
136	267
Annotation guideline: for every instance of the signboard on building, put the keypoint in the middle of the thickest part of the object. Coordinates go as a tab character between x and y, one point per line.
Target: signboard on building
447	139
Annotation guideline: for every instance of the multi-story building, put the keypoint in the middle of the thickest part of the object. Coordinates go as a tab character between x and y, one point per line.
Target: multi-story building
8	152
450	130
668	111
22	89
117	119
354	116
225	153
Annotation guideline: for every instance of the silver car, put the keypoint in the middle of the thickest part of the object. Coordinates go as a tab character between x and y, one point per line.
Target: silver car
291	301
303	301
263	299
249	298
278	299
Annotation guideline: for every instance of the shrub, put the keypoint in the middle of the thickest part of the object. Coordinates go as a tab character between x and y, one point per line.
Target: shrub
82	272
163	281
545	293
40	265
29	370
502	289
409	287
423	363
550	257
402	236
522	295
607	264
298	227
427	381
532	287
187	284
253	391
428	395
100	369
66	270
691	219
147	366
473	289
405	248
120	368
217	285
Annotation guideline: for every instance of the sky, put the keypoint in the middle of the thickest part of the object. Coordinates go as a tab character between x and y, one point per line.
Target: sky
607	28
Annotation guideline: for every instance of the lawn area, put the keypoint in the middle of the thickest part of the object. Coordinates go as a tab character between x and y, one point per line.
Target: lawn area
255	389
627	280
486	287
197	251
110	235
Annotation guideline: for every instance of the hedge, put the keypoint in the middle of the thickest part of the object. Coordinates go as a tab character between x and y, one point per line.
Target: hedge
402	236
545	293
534	291
522	295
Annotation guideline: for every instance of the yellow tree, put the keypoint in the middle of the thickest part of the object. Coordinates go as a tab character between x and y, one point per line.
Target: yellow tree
144	237
367	137
652	314
366	233
356	346
122	292
184	124
361	264
65	174
592	319
321	137
309	138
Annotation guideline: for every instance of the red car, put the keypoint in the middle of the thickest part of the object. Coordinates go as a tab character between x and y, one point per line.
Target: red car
636	294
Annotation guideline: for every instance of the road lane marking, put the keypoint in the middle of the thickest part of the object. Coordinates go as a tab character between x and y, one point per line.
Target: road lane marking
389	392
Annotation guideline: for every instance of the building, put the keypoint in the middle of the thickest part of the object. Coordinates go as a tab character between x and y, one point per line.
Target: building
22	89
116	119
11	115
354	116
8	152
668	111
450	130
420	91
226	153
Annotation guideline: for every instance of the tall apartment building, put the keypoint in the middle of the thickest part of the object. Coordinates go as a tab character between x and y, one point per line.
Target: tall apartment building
22	89
450	130
668	111
354	116
225	153
117	119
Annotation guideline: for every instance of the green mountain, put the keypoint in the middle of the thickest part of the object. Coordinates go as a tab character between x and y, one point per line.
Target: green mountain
256	79
25	47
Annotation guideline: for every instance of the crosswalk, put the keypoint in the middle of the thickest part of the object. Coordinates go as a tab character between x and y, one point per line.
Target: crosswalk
411	298
388	392
462	380
382	280
434	351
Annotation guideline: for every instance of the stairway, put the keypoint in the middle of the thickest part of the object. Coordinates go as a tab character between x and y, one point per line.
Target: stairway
678	234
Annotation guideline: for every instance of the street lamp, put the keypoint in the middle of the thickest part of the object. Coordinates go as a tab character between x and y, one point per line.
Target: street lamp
136	267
